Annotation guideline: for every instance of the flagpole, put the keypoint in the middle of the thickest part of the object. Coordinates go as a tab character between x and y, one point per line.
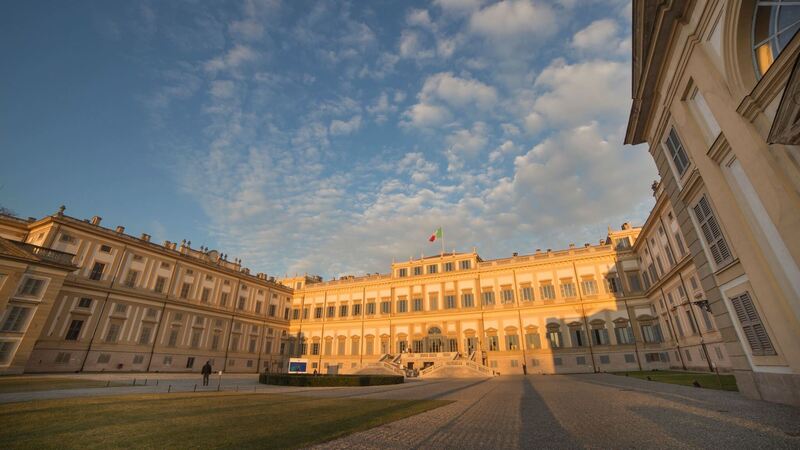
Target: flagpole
442	240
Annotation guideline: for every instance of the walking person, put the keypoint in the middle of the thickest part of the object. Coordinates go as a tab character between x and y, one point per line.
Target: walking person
206	372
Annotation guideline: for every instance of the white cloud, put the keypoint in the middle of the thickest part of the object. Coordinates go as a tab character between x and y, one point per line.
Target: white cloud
458	7
222	89
458	92
577	93
423	115
339	127
411	46
248	29
506	148
417	167
419	18
233	59
511	18
600	35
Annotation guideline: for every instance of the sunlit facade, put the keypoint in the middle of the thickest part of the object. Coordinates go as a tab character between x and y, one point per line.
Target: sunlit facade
715	89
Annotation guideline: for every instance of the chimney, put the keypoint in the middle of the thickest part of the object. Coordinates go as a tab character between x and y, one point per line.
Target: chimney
120	229
96	220
145	237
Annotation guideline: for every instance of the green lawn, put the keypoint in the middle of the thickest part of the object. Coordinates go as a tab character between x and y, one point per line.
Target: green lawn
706	380
231	420
27	384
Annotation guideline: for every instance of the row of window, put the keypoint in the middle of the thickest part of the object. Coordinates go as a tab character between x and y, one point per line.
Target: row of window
449	266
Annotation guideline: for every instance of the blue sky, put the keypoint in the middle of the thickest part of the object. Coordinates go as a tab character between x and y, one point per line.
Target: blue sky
324	137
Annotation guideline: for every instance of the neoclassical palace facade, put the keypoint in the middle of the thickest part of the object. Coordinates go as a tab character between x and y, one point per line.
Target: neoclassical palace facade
710	281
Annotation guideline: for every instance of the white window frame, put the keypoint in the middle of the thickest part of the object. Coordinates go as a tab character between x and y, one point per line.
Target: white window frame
701	236
679	177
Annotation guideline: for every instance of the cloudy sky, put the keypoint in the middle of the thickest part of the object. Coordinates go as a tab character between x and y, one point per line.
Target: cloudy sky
324	137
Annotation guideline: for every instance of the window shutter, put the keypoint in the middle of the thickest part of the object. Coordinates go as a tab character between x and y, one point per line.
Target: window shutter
752	326
712	232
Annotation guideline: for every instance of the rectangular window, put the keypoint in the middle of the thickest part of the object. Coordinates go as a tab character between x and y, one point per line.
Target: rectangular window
691	321
318	312
449	267
84	302
652	333
629	358
623	243
578	337
568	289
315	348
600	336
402	272
130	279
240	305
160	282
305	313
402	306
386	307
488	298
190	362
507	296
215	342
168	360
66	238
144	338
205	294
677	152
120	308
589	287
105	248
633	280
331	311
548	291
465	265
173	337
526	293
195	342
417	304
251	346
512	342
371	308
624	335
580	360
554	338
74	330
752	327
707	319
467	300
679	243
185	290
103	358
433	268
97	271
433	302
418	270
138	359
16	319
712	233
613	285
357	309
343	311
296	314
271	310
533	341
223	299
113	332
493	343
449	301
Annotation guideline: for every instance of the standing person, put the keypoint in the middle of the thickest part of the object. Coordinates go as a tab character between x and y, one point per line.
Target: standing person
206	372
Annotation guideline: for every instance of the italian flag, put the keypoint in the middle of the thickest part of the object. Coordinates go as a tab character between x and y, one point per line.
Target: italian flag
436	235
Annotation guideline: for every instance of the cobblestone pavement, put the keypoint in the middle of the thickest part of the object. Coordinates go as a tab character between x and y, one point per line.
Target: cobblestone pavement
536	411
575	411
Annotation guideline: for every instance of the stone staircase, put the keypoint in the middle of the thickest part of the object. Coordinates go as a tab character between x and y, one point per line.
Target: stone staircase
457	368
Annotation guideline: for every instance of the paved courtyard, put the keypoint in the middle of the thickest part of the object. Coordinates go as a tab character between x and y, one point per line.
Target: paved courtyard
565	411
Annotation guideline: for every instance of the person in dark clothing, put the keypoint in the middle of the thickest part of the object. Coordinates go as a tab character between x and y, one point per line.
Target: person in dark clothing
206	372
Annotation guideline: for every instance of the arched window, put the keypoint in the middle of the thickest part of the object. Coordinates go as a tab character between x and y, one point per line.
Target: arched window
434	330
774	25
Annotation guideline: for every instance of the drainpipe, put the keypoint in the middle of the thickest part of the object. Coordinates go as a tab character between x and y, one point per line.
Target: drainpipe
672	328
103	308
696	324
585	320
161	317
522	344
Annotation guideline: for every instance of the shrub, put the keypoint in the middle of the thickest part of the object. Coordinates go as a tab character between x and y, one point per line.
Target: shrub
283	379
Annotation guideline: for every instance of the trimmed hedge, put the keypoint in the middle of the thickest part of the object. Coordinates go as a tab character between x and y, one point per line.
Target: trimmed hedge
284	379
